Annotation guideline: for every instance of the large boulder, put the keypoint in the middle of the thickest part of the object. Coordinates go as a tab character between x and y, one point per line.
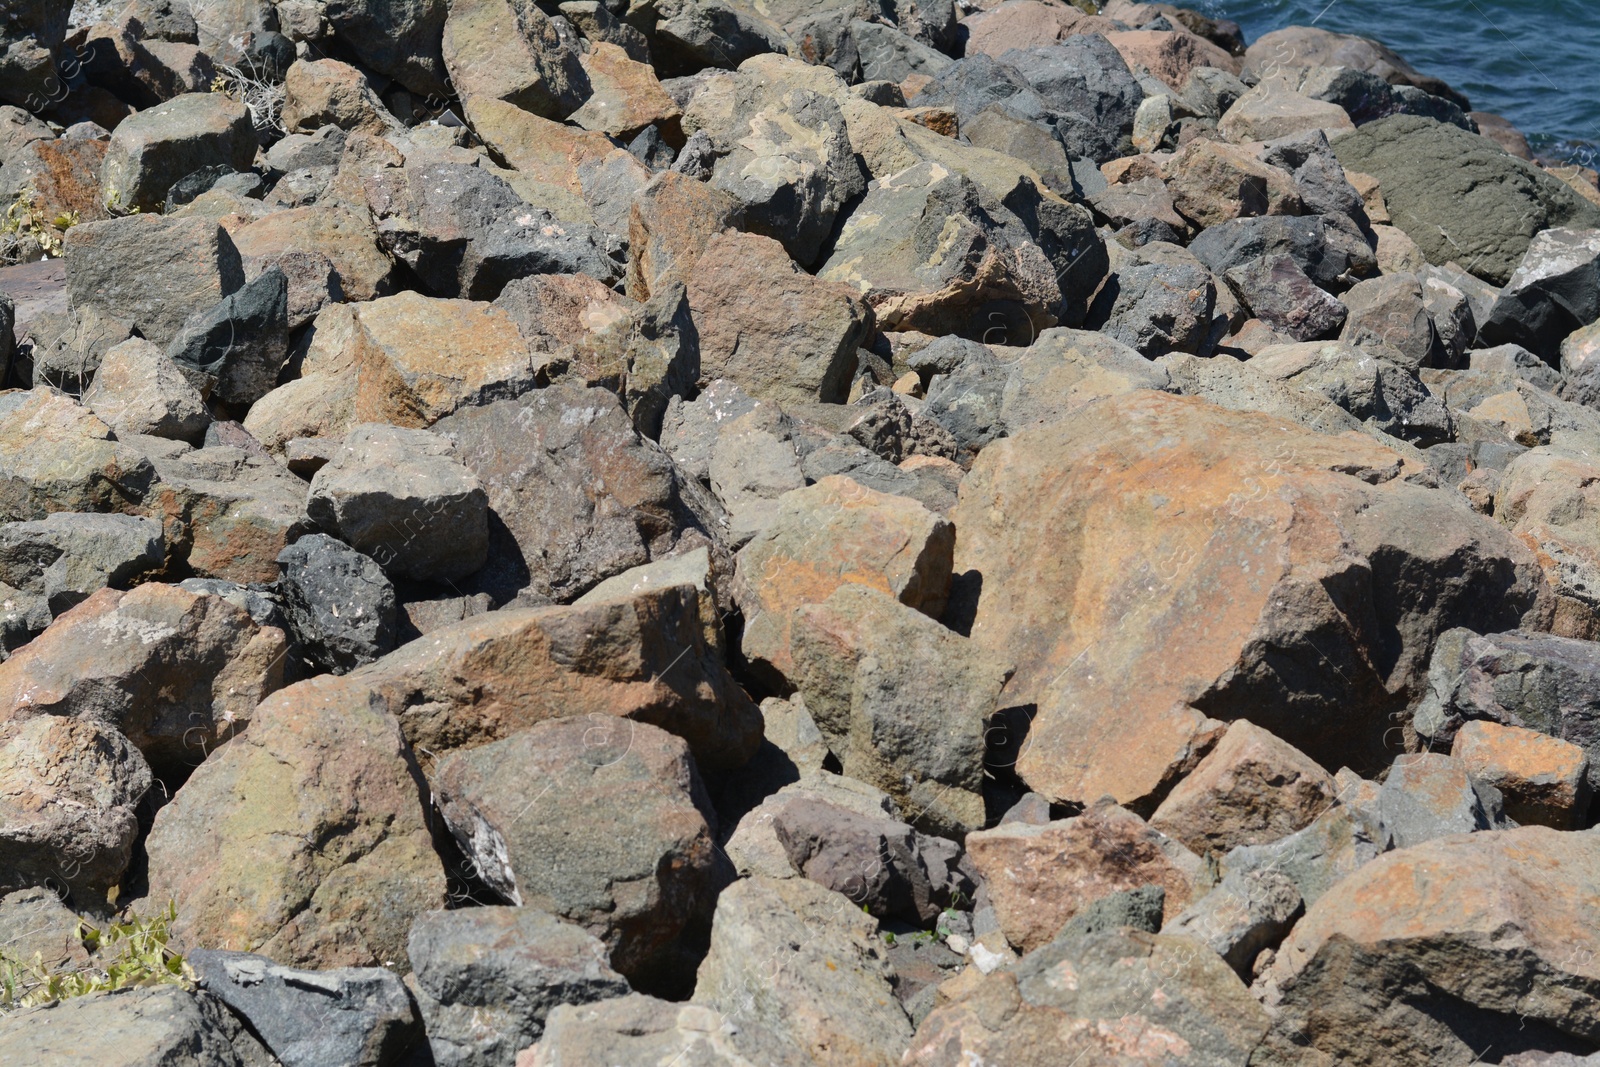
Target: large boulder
1148	512
153	150
1554	291
31	32
1460	196
150	1027
400	41
512	52
1432	953
55	455
635	1029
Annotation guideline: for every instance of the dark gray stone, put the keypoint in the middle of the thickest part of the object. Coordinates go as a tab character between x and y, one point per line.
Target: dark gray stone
889	55
1554	291
695	34
1247	911
1085	80
1303	238
1156	308
349	1017
1281	295
67	556
159	1026
340	605
1430	794
1139	909
240	344
1389	311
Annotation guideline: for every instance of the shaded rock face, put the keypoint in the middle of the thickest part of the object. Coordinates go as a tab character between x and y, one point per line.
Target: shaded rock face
1282	624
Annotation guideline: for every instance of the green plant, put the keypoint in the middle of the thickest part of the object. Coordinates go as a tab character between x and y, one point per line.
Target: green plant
130	952
23	222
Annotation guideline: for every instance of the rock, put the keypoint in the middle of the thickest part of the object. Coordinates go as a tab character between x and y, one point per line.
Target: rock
1389	311
1040	876
284	238
360	1016
889	55
1170	55
339	603
901	699
239	345
175	672
1211	182
1279	293
830	534
152	150
34	922
149	1027
1369	387
1470	938
1070	631
1136	996
67	818
1530	680
1157	307
695	34
627	99
1025	24
1310	46
797	346
1138	909
1550	294
486	978
1250	789
689	568
33	31
1308	240
576	494
670	225
1544	780
1484	214
512	52
1341	839
635	1029
754	846
638	885
466	232
1542	496
402	43
801	968
330	857
56	456
400	497
137	390
1086	80
67	556
153	271
326	92
1429	795
929	254
1244	914
1270	111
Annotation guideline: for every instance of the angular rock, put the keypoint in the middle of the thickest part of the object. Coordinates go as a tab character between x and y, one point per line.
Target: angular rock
1245	913
400	497
138	390
401	42
361	270
1369	387
627	98
1075	628
1279	293
695	34
637	885
1544	780
670	224
1341	839
1543	497
148	1027
239	346
1550	294
1271	110
1156	308
634	1029
1388	313
67	556
1429	795
486	978
152	151
801	965
1088	83
340	605
1040	876
228	513
1212	182
511	51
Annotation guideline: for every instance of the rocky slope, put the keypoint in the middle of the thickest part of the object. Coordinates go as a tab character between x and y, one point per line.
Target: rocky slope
758	534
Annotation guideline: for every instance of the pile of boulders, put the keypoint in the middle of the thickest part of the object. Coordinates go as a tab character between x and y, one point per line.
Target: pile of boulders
759	534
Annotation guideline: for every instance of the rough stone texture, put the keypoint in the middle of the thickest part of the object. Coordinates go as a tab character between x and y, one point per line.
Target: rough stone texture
151	270
486	978
153	150
1087	81
797	344
1040	876
305	839
1459	196
627	99
1429	795
1343	838
1552	292
1369	387
34	922
176	672
1279	293
1250	789
1246	913
339	604
510	51
1271	110
68	555
1156	308
400	41
834	533
356	1016
360	268
238	346
670	224
754	846
1389	314
802	966
635	1029
1134	997
901	699
635	886
1212	182
138	390
400	497
157	1027
1543	496
1148	513
1543	780
1427	954
68	789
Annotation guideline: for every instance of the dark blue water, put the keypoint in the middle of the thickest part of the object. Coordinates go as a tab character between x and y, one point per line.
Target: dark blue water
1533	61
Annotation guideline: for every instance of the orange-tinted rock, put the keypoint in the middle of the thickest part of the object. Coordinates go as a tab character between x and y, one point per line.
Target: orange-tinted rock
627	95
834	533
1543	779
1546	496
1155	561
1170	54
326	92
1212	182
228	513
509	51
671	224
1486	938
349	241
1040	875
1251	789
1028	24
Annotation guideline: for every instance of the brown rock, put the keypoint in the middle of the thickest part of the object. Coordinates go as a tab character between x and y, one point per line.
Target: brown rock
326	92
504	50
797	344
1040	875
348	240
627	96
57	456
1171	55
54	179
1028	24
1271	110
1503	132
227	512
304	839
1212	182
1197	550
1251	789
1544	780
1543	497
670	225
834	533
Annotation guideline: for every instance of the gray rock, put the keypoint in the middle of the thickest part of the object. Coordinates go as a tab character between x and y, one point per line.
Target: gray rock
138	390
1157	307
297	151
1138	909
486	978
695	34
466	233
1279	293
1429	795
637	885
640	1029
1340	840
1538	681
31	33
400	497
1324	189
1460	196
159	1026
1455	323
1245	913
1553	291
348	1017
66	556
34	922
155	149
889	55
400	41
68	348
240	344
151	270
1389	311
1085	79
1304	238
1368	386
340	605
